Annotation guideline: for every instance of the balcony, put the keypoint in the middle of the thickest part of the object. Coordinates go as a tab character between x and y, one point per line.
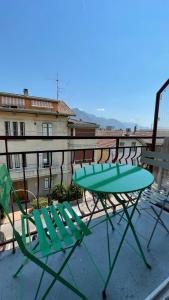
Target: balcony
131	279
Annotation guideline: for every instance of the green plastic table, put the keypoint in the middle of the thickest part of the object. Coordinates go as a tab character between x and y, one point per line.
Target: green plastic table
115	179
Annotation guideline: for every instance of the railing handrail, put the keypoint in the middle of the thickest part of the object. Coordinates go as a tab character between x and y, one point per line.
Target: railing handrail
70	150
67	137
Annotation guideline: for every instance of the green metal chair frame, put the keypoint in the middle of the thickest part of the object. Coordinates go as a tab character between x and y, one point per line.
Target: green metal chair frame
156	199
60	229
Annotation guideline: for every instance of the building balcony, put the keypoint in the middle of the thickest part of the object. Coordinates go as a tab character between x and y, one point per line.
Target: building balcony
31	171
130	279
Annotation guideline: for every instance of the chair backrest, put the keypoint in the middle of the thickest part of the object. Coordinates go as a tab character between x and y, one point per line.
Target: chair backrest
5	188
157	159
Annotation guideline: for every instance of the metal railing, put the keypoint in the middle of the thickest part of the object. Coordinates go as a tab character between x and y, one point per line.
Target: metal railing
61	166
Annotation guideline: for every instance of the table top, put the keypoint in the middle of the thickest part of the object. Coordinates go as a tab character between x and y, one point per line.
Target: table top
112	178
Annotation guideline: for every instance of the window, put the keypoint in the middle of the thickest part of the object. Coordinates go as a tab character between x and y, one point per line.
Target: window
17	161
71	131
14	161
15	128
7	128
46	183
12	102
121	144
47	129
10	162
22	128
46	159
45	104
24	162
133	145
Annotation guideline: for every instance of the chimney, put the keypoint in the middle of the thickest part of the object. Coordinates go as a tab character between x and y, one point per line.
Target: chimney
25	92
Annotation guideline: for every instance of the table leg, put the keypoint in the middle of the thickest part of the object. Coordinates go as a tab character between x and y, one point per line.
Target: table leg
90	219
136	238
105	209
92	213
129	224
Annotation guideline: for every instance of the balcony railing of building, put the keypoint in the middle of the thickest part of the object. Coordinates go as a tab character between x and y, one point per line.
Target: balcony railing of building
58	166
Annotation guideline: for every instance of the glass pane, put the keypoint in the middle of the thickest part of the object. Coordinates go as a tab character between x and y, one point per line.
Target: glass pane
15	128
44	129
17	160
7	128
50	129
22	128
46	183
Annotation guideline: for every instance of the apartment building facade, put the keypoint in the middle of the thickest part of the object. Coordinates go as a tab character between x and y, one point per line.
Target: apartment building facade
24	115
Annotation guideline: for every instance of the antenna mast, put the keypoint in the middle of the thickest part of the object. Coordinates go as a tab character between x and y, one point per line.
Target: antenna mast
57	86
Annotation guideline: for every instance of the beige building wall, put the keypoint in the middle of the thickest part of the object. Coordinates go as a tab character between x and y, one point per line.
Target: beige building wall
33	126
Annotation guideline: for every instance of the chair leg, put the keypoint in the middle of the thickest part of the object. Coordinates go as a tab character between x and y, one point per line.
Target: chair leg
40	281
156	223
57	276
26	260
63	281
159	218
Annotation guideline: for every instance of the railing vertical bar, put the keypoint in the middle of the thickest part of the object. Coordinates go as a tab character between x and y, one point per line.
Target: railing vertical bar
11	196
72	162
101	155
61	167
37	170
108	155
117	150
24	183
126	158
134	156
120	159
50	175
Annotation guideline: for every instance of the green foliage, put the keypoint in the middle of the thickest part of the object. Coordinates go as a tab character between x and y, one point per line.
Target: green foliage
74	192
61	193
43	202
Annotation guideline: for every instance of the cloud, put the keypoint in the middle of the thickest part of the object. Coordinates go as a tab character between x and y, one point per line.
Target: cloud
100	109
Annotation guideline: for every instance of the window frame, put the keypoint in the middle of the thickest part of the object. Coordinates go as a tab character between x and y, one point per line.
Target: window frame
15	130
47	129
7	128
48	159
46	183
17	161
22	128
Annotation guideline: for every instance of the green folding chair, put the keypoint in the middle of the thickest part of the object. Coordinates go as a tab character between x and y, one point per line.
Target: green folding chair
58	229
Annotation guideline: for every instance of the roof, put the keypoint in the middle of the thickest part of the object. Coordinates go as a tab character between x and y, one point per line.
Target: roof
104	132
149	141
22	96
106	143
74	123
62	107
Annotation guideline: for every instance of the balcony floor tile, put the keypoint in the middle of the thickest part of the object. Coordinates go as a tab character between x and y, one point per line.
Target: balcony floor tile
130	280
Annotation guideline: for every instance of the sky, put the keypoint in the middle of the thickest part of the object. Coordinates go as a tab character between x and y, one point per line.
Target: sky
110	56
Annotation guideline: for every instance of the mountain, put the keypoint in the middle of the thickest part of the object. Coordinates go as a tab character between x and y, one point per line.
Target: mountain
103	122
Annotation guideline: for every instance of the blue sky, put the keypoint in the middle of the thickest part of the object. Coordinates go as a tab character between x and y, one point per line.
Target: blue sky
111	56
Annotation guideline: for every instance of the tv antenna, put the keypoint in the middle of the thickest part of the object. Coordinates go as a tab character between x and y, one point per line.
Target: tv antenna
57	86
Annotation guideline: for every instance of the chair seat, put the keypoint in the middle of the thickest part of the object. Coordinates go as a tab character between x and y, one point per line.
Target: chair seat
155	196
57	227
